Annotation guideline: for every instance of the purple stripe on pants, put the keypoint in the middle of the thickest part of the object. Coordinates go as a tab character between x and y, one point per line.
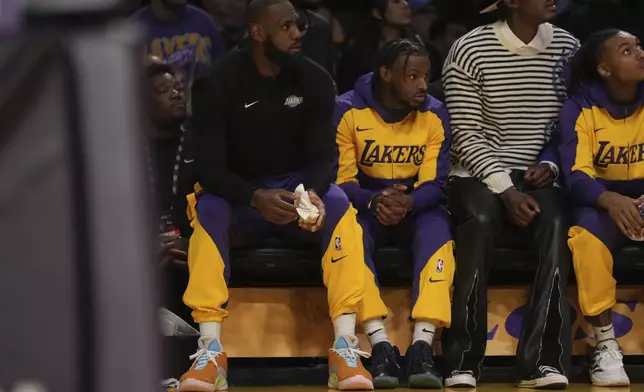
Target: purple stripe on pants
601	225
425	233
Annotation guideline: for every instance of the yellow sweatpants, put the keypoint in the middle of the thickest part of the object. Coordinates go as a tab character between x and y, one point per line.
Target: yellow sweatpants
209	263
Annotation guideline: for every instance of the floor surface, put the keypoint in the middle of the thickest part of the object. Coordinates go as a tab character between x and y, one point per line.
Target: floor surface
482	388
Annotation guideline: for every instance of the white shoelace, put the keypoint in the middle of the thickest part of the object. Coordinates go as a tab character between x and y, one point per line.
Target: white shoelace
351	355
609	359
548	369
461	372
203	356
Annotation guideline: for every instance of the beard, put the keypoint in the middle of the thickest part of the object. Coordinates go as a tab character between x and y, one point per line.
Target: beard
281	58
408	105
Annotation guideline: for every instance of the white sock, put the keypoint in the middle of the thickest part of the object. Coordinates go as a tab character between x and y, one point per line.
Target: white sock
375	331
606	337
210	331
424	331
345	325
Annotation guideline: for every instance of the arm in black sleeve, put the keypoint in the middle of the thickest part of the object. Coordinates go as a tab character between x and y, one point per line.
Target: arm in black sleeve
319	133
209	126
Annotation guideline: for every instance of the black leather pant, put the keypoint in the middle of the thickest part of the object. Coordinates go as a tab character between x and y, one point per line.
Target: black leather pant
478	217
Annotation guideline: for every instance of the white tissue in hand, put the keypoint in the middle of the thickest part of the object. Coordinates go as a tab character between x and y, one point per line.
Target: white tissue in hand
307	211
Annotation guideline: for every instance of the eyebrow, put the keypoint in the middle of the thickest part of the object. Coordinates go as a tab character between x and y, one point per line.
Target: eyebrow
623	44
293	18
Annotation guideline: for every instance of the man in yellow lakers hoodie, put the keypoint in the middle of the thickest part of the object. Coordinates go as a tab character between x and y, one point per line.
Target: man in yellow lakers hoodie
602	154
393	141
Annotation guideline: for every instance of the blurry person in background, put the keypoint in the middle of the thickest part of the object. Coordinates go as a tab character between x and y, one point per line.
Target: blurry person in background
423	16
170	160
602	154
317	35
184	36
229	17
585	17
389	20
442	35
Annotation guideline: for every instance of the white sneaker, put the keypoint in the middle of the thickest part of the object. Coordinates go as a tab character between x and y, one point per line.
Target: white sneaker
461	379
546	377
607	368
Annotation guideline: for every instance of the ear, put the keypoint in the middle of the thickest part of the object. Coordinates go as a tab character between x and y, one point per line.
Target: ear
385	74
257	32
603	71
376	13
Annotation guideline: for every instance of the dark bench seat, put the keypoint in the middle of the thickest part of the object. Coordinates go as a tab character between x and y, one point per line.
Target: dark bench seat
276	263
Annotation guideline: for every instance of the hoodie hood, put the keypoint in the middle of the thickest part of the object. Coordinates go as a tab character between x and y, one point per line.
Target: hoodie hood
597	96
365	89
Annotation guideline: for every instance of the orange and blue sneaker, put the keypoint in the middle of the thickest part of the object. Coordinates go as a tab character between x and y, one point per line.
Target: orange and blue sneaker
346	372
208	371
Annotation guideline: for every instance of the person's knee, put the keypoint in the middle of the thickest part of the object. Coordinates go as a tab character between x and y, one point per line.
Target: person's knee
483	218
557	220
435	223
211	207
335	200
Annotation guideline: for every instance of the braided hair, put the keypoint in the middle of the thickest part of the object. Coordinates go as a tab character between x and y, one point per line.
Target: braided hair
583	66
391	51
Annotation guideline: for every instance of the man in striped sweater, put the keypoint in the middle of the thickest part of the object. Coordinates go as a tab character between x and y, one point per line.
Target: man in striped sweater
503	90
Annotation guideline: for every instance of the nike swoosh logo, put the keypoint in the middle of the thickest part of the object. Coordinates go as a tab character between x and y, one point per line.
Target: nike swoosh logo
431	280
606	330
358	129
188	161
427	331
338	259
374	332
246	106
599	129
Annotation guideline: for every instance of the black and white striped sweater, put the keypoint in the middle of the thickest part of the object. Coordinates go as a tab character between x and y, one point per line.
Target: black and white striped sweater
503	98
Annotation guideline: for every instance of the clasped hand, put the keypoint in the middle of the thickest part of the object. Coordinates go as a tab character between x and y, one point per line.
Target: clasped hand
393	205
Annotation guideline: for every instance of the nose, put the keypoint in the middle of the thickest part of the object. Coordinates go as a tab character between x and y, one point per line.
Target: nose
296	33
176	93
423	84
640	54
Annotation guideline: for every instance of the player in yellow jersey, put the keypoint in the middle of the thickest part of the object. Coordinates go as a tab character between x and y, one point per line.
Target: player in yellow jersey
393	140
602	154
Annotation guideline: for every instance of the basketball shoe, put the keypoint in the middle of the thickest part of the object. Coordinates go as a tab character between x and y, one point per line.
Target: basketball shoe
607	368
208	371
384	366
346	372
546	377
420	369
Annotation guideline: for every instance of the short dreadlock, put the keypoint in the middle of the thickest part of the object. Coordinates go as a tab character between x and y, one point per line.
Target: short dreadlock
392	50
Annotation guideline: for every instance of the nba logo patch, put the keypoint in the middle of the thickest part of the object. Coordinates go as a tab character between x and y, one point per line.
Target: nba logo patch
338	244
439	266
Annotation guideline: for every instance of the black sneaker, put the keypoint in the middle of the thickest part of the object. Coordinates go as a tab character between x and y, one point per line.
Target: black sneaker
420	369
546	377
384	366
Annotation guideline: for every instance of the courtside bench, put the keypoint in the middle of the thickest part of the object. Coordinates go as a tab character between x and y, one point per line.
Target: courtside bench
278	332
